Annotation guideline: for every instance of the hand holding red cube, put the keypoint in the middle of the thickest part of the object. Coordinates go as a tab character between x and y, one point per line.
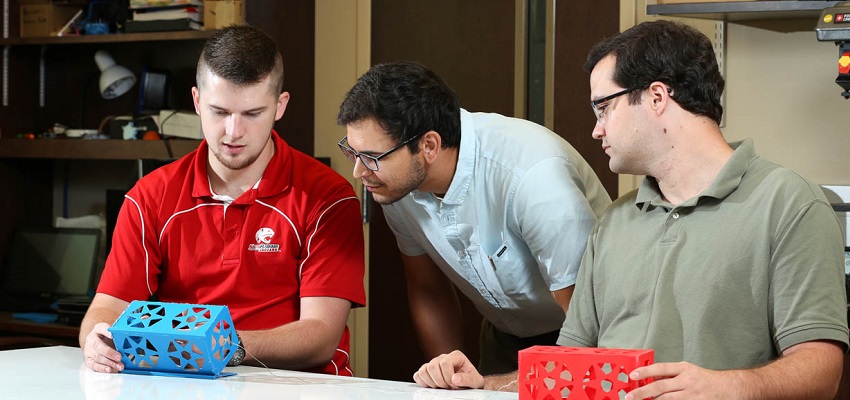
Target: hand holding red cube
557	372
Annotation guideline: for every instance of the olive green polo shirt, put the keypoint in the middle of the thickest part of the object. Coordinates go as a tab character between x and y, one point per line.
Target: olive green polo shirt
726	280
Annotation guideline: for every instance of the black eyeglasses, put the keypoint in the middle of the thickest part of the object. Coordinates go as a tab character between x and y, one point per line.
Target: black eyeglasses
370	162
600	111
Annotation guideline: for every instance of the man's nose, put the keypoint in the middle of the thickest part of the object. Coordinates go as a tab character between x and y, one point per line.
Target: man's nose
360	170
598	131
233	127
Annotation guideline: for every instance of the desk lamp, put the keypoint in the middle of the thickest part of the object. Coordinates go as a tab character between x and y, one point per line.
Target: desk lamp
115	80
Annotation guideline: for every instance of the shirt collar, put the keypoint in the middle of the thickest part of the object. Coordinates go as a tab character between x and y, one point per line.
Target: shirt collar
459	187
726	182
276	178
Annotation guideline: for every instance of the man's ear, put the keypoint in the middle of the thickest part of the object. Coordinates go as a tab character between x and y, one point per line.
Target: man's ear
659	95
196	97
430	144
280	108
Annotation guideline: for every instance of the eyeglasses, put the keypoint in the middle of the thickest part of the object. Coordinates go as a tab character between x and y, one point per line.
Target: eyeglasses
599	106
370	162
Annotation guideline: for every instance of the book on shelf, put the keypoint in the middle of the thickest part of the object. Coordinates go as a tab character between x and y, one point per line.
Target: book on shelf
140	4
156	14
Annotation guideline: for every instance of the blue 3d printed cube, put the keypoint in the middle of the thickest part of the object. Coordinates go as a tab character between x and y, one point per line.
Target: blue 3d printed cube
175	339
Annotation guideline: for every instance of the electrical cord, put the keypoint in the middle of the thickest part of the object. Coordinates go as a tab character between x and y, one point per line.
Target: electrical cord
165	141
269	370
162	123
507	385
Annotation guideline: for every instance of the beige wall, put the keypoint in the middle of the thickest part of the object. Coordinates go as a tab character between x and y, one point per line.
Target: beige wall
342	55
780	91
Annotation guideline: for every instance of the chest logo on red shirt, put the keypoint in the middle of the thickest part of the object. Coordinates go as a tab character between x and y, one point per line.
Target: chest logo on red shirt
264	242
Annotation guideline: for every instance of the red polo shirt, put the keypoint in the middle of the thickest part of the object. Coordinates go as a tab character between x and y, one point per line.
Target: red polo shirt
296	234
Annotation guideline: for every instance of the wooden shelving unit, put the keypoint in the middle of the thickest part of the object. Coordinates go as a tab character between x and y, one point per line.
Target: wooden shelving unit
96	149
49	78
99	149
111	38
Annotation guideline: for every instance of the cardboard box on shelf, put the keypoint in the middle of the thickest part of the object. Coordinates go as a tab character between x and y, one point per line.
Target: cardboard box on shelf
41	18
221	13
185	124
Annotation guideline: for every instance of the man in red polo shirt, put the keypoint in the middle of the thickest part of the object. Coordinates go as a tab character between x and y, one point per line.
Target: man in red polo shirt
243	221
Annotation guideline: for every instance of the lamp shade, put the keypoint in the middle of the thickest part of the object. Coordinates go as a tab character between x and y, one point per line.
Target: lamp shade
115	80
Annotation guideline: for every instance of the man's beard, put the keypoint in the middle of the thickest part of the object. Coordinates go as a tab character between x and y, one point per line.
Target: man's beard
236	163
414	179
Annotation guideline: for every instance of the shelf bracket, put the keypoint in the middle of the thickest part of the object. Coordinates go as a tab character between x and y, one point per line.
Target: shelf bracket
5	19
719	43
6	76
41	75
5	71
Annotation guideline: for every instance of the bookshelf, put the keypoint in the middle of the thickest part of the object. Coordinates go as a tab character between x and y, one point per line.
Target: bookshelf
47	178
96	149
111	38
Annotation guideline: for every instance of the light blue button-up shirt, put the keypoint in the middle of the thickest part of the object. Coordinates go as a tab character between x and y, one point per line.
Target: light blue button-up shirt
513	225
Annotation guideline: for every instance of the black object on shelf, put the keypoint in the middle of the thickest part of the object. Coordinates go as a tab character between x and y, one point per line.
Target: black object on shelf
183	24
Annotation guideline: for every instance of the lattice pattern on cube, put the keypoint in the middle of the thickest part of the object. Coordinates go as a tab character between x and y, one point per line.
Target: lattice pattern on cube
190	339
556	372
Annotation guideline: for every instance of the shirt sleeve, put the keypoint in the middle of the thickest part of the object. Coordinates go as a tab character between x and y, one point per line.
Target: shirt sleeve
133	265
807	288
333	259
555	218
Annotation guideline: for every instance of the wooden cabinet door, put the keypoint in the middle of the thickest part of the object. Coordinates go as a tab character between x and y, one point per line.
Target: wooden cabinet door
470	44
578	26
292	24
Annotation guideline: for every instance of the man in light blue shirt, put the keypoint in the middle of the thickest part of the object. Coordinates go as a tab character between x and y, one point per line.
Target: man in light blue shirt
499	207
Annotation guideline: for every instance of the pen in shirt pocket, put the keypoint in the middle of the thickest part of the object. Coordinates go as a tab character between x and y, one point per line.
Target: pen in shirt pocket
498	254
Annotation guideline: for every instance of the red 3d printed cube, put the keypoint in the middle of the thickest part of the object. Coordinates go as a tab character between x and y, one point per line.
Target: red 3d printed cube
556	372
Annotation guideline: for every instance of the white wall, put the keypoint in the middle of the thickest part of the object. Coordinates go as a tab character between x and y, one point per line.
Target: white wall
780	91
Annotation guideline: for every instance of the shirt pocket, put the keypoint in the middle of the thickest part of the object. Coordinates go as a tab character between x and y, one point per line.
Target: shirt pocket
509	270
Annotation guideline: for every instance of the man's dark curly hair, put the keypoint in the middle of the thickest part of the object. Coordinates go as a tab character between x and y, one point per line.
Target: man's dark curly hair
670	52
406	99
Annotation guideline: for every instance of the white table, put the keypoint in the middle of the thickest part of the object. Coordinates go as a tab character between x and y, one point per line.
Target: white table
59	373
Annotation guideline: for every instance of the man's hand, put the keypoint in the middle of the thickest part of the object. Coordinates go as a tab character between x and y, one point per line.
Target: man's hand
809	370
682	380
449	371
99	351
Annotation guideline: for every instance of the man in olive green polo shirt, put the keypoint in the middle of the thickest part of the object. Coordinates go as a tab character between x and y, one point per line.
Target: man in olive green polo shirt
727	265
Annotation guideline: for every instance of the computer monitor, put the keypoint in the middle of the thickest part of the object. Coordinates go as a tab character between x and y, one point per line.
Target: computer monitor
45	264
